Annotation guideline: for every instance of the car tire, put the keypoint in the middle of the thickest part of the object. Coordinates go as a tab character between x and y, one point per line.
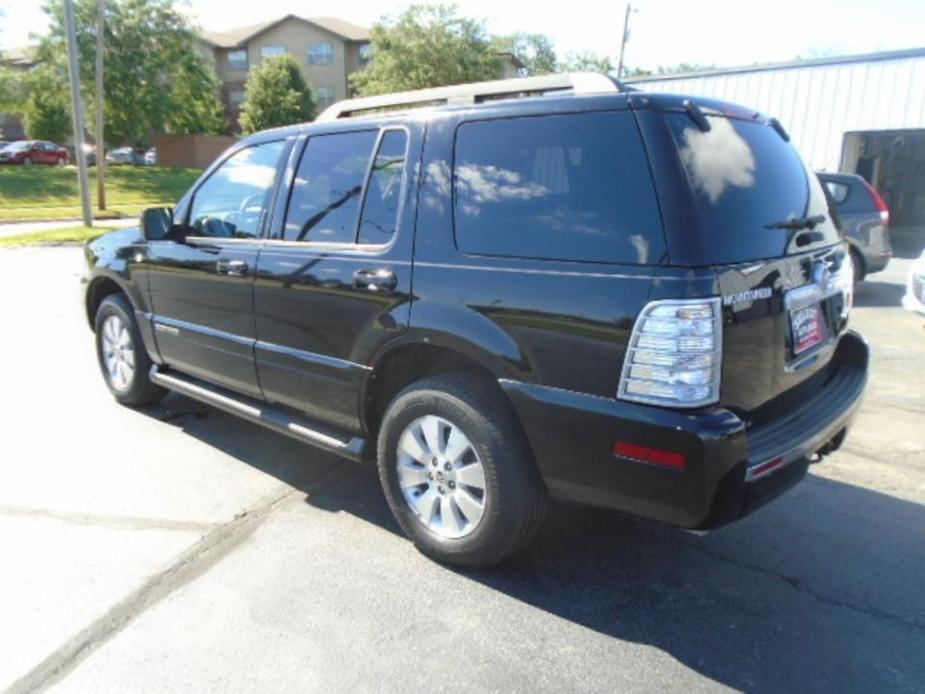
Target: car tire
27	161
60	162
476	517
857	263
121	354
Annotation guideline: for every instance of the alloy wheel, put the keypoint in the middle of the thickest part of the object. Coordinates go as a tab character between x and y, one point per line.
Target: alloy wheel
118	353
441	477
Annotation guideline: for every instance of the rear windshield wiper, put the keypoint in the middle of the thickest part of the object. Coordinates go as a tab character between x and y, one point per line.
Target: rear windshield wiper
795	223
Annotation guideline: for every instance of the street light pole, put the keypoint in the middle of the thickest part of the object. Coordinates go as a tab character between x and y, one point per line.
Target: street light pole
100	146
77	109
626	32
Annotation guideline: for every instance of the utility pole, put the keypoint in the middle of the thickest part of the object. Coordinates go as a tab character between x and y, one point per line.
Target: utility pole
100	146
626	33
77	108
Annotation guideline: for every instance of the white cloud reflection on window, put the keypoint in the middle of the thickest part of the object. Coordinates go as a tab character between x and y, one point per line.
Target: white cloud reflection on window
718	158
479	184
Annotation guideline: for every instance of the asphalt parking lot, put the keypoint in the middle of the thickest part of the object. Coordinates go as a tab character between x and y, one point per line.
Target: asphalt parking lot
178	549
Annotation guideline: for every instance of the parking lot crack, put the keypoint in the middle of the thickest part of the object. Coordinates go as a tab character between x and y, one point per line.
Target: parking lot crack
796	584
192	563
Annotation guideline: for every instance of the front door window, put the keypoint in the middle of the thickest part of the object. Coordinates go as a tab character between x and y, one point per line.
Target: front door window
230	204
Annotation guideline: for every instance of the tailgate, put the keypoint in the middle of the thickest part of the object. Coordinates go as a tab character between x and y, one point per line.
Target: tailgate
782	319
751	209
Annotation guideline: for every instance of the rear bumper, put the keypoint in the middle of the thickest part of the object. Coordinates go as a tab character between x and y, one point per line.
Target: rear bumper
873	244
732	466
876	263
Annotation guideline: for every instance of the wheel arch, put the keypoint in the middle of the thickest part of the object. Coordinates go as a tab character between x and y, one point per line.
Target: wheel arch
422	356
98	289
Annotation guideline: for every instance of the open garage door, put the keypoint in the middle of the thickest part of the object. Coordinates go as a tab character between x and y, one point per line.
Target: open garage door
893	161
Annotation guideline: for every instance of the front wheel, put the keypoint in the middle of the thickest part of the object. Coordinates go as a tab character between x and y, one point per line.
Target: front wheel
457	471
27	161
122	357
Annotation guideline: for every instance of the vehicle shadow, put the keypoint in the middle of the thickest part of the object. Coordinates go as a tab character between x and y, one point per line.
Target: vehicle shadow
819	591
874	293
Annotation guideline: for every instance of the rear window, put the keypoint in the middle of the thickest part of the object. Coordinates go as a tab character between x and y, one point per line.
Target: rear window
567	187
839	191
745	177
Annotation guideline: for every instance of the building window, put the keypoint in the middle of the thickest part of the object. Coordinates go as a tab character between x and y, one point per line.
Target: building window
324	96
366	53
236	98
272	51
237	60
321	54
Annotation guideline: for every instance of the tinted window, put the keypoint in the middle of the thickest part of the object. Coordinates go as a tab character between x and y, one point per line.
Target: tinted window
327	190
383	192
572	187
231	202
745	177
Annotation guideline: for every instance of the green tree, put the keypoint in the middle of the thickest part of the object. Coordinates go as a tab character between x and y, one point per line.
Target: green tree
11	91
587	61
276	94
156	79
681	67
47	108
534	51
427	46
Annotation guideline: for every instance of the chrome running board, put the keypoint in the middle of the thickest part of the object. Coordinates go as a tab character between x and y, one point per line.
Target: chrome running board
270	416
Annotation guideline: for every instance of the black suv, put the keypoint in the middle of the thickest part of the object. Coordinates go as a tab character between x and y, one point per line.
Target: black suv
504	292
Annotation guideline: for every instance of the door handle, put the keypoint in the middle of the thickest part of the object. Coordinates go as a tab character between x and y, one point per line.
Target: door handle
235	268
375	280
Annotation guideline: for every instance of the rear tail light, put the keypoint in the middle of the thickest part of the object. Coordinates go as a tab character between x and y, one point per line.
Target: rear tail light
674	356
879	202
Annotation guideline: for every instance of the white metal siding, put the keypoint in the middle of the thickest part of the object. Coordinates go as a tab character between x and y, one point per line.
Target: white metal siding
818	104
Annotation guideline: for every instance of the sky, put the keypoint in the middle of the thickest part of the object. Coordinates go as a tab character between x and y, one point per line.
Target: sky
662	32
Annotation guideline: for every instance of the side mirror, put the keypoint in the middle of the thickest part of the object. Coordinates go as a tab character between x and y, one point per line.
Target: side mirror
157	222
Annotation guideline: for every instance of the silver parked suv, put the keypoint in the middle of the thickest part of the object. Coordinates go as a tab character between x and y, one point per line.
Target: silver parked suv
865	220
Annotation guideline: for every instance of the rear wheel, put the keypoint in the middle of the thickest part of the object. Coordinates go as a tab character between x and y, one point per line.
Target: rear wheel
27	161
61	161
457	472
122	357
857	262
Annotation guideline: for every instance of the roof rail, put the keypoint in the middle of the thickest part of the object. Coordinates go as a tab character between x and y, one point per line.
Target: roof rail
577	82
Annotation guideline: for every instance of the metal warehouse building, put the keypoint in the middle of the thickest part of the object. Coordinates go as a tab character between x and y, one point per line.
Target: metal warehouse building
861	114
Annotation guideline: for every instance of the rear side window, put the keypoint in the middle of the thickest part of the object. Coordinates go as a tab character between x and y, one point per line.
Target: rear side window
383	192
838	191
745	178
566	187
326	193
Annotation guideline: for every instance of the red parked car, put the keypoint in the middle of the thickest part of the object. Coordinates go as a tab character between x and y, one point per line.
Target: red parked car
28	152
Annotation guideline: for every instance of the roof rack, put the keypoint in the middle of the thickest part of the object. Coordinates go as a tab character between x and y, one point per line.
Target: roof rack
476	92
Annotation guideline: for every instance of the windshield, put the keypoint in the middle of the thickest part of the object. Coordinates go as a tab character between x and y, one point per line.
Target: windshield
751	190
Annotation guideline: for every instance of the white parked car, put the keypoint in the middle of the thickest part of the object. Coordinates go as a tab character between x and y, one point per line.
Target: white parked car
914	300
151	157
122	155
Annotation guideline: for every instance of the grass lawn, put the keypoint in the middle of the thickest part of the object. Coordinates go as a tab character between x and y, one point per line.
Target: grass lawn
66	235
51	192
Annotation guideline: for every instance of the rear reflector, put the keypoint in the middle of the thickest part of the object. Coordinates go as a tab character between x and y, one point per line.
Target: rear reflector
656	456
765	468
